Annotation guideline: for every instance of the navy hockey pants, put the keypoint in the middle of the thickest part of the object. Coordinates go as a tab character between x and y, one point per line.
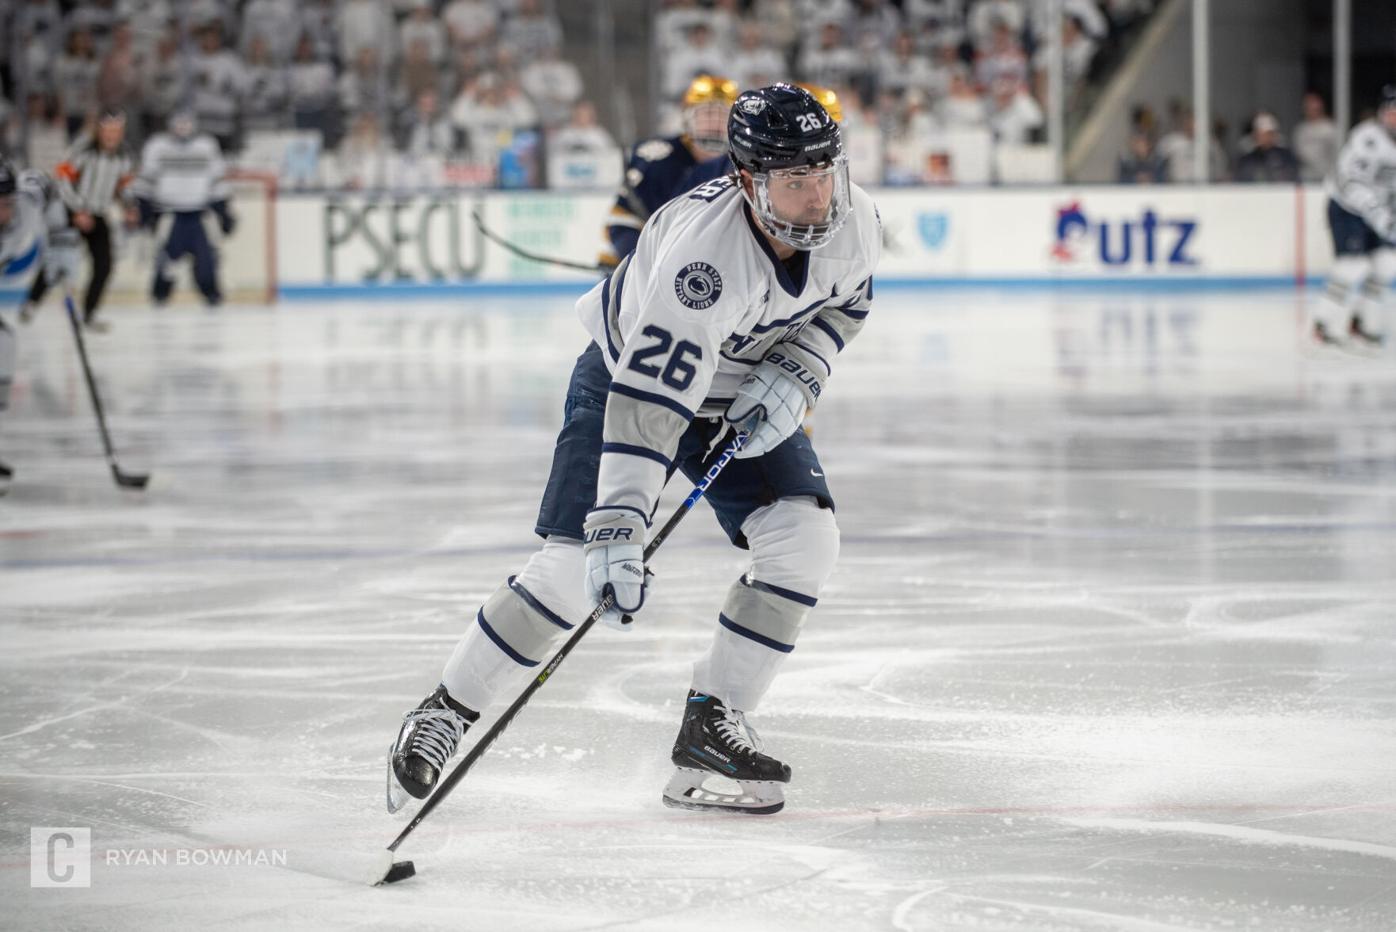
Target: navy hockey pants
188	238
790	470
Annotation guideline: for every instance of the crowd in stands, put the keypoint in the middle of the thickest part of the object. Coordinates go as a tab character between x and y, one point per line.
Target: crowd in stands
1262	154
381	84
922	81
475	89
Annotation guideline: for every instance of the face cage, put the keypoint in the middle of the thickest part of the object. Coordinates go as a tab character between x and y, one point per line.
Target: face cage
714	139
803	235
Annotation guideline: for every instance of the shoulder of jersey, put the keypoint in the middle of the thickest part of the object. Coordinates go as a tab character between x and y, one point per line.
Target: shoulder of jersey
703	256
654	150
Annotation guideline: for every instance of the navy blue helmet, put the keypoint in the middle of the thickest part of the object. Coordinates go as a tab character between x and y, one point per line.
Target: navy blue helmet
781	126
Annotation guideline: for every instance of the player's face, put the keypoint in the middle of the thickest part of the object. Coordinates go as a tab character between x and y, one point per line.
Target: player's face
110	133
1388	119
802	196
7	209
707	126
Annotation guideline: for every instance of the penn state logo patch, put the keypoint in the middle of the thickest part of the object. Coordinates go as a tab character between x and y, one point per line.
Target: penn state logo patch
698	285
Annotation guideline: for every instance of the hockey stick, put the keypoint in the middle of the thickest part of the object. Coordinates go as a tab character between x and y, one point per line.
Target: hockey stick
126	480
524	253
404	869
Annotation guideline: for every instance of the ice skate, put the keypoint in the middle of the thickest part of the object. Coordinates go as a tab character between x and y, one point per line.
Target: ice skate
429	737
717	750
27	310
6	474
1359	337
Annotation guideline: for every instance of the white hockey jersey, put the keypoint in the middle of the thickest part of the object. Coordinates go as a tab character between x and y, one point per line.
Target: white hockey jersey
181	175
703	298
38	212
1364	180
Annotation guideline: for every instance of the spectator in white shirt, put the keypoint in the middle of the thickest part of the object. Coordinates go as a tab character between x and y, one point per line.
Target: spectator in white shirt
470	22
428	131
583	133
367	24
219	84
422	25
961	107
1078	51
699	56
1012	112
364	88
532	29
320	20
832	61
266	104
755	63
553	84
1002	57
312	88
1316	140
872	26
1177	151
276	23
75	78
905	68
987	16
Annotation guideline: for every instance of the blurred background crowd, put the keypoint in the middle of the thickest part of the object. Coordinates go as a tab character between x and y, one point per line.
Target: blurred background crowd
518	93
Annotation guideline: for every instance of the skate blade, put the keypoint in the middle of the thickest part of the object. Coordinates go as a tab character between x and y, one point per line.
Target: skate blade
686	790
396	796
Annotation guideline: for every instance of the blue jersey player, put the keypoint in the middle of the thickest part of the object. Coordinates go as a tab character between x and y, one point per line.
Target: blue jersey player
730	313
656	169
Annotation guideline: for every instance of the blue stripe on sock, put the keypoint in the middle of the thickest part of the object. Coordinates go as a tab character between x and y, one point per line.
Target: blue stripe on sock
499	642
761	639
630	449
784	593
535	604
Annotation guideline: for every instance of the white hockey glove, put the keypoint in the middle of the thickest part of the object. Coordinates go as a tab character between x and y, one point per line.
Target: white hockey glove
772	400
61	261
614	540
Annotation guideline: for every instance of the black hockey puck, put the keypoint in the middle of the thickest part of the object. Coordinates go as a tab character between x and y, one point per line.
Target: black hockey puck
400	870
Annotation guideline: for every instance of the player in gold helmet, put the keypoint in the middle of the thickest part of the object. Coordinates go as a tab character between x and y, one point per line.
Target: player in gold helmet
656	169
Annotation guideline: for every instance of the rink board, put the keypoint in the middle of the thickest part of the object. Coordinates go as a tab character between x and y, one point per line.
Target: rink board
301	245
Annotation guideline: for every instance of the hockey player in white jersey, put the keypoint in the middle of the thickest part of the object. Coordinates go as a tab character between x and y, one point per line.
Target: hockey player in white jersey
729	314
1362	219
35	239
182	175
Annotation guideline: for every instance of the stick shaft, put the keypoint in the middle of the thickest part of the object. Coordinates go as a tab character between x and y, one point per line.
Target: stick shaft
481	746
531	256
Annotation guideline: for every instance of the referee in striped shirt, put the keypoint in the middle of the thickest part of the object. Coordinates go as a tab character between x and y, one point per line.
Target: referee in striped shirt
95	173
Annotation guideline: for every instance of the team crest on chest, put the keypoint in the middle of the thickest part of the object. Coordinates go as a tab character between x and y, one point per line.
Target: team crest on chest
698	285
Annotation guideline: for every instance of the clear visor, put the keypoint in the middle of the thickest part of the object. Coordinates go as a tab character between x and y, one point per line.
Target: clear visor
706	125
803	207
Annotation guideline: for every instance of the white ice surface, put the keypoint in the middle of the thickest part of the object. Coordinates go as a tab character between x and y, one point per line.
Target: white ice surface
1111	645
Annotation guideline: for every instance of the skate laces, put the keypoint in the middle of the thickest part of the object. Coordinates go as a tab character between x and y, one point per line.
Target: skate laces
437	733
734	729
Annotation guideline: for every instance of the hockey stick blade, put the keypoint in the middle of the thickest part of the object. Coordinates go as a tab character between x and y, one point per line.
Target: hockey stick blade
129	480
399	871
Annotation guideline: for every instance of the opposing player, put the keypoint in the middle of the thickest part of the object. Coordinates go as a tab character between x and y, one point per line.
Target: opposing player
182	174
656	169
35	239
94	175
1362	219
729	313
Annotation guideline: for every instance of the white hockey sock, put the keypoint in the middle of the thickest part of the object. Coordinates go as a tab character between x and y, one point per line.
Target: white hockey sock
1342	293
